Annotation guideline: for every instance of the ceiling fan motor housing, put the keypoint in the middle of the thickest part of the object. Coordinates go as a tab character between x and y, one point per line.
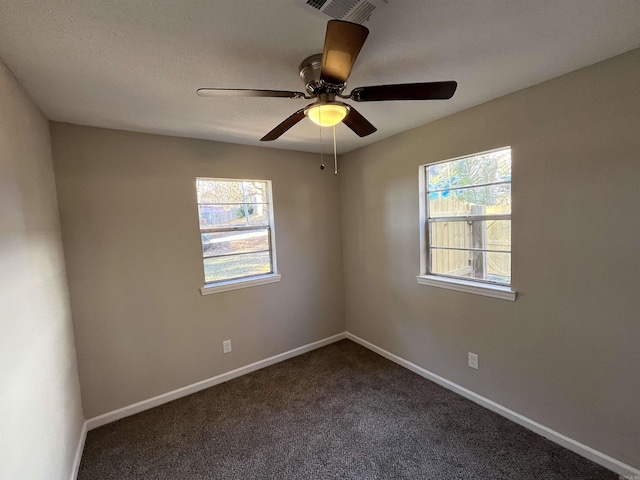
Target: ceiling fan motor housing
310	70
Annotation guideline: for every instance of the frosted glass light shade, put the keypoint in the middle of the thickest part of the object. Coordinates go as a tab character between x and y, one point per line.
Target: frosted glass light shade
327	114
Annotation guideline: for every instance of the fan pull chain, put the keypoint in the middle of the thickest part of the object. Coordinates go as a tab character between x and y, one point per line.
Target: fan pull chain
335	153
321	154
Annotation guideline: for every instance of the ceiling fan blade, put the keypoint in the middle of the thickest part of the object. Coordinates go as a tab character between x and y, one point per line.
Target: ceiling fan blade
356	122
284	126
246	92
342	43
405	91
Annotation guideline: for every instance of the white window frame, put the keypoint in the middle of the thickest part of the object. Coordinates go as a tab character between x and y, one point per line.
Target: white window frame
476	287
253	280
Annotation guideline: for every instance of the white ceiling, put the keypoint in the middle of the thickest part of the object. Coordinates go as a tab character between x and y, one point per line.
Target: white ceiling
135	64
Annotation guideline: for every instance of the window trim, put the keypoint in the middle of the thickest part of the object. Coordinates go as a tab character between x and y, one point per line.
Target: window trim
487	289
238	283
252	280
477	287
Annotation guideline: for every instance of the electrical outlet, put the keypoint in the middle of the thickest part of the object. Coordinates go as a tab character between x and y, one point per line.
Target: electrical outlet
226	346
473	360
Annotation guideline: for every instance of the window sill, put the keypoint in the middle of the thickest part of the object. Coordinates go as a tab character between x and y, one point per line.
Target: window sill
240	283
488	290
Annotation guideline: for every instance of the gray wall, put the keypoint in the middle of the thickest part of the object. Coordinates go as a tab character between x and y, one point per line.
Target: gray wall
40	409
566	353
130	227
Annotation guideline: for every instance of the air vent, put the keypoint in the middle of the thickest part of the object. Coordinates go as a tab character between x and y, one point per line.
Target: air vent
356	11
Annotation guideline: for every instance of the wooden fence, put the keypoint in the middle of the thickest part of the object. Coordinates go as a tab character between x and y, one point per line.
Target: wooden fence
491	235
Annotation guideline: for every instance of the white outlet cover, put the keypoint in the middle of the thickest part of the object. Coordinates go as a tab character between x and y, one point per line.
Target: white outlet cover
226	346
473	360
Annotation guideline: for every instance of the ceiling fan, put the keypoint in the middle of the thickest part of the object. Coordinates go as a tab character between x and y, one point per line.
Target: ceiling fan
325	76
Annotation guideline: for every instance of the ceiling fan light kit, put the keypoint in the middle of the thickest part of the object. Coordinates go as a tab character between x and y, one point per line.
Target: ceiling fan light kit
325	76
326	114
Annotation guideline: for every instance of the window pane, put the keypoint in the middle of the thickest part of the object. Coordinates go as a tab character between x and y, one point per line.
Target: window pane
489	266
478	169
488	234
233	215
225	243
489	200
218	191
235	266
231	191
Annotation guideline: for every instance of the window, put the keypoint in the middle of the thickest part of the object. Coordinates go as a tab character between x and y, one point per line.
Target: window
236	232
466	222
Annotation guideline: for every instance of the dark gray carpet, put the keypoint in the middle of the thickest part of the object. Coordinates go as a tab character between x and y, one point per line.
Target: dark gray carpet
337	412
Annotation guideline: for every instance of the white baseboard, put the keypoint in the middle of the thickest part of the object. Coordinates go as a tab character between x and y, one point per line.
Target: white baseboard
109	417
79	449
626	471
